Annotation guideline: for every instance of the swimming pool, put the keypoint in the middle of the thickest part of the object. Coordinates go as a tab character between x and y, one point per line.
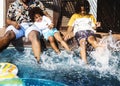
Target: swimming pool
66	68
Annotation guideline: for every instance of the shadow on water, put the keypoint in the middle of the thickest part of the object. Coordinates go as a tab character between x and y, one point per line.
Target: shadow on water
67	68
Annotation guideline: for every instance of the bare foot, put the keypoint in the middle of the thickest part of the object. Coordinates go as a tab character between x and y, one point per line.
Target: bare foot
38	60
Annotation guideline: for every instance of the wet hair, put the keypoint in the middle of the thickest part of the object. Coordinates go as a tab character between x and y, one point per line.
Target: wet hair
82	3
34	11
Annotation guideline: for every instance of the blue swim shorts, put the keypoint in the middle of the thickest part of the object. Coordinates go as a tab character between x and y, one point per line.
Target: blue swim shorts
50	32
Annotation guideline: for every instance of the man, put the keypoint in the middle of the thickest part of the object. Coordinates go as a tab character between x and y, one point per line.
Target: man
20	25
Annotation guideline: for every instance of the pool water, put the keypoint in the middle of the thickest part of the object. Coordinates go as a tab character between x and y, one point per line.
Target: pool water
68	68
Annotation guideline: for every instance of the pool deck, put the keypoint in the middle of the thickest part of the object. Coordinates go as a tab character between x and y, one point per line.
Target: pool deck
63	31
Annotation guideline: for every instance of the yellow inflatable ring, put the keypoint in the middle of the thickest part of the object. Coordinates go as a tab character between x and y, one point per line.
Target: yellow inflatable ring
7	71
4	76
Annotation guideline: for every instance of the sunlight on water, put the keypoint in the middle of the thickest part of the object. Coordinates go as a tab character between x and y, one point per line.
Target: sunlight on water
68	68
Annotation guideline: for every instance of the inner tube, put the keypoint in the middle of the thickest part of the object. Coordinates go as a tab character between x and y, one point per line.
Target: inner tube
8	71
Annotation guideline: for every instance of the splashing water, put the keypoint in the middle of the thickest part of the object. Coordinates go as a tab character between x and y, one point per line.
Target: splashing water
112	43
68	68
107	58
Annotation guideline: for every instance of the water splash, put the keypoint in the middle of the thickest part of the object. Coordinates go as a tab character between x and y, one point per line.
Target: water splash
107	59
68	68
112	43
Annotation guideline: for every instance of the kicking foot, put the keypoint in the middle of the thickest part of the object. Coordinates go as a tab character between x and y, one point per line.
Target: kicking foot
38	60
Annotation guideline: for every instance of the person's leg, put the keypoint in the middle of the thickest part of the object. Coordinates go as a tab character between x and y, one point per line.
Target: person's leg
59	39
6	39
43	47
93	41
82	43
53	44
33	36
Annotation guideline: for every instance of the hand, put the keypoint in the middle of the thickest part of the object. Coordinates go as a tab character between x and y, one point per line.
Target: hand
16	25
68	36
51	26
69	33
98	24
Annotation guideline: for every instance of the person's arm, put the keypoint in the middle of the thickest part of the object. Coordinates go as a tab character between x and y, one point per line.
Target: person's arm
98	24
70	29
95	23
51	26
10	16
14	23
69	33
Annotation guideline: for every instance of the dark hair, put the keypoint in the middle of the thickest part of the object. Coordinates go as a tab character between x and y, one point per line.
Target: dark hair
26	2
82	3
33	11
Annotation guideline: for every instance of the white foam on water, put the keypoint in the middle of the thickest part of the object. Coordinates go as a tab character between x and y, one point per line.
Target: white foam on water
104	60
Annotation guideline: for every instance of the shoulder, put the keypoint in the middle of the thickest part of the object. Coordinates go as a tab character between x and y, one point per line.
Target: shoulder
75	15
90	15
14	4
45	17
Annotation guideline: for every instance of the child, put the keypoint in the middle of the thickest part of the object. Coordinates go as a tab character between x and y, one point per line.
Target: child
47	28
83	24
